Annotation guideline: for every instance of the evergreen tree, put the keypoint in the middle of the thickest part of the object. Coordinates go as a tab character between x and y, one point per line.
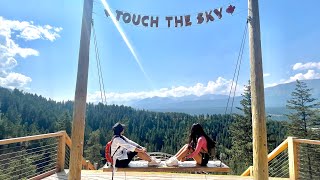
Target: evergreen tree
276	133
303	118
18	168
241	135
305	124
64	123
93	148
25	114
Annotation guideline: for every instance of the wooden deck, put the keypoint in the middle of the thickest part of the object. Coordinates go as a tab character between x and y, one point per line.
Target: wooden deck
100	175
187	166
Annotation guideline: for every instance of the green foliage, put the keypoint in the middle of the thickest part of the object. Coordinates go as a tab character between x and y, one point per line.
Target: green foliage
93	147
241	152
276	133
241	136
304	116
18	168
25	114
305	124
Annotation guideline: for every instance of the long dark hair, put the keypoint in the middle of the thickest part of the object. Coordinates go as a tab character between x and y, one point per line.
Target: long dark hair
196	132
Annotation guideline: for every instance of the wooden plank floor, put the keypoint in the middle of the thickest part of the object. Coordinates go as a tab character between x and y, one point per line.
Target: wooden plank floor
100	175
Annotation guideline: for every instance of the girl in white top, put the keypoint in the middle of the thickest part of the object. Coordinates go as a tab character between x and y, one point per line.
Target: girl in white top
123	149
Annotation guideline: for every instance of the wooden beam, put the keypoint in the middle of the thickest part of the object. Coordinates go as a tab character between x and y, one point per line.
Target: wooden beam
61	153
293	159
44	175
68	141
283	146
91	166
260	151
83	161
247	172
79	113
251	170
307	141
30	138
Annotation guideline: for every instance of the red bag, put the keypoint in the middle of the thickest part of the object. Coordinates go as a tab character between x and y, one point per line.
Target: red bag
108	156
108	152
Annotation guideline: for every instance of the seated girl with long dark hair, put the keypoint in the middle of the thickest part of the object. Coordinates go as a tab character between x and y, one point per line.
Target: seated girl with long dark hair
200	144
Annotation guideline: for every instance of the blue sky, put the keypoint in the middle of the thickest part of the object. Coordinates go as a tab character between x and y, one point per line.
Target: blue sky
39	46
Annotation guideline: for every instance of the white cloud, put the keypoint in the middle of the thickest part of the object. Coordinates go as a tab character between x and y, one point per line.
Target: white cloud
10	31
10	49
311	74
14	80
271	85
308	65
220	86
8	63
57	29
28	31
266	74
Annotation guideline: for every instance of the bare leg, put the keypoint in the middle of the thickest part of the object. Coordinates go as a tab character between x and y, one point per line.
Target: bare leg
183	152
144	156
198	158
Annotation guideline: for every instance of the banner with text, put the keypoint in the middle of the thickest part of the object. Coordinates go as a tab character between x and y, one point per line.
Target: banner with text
170	21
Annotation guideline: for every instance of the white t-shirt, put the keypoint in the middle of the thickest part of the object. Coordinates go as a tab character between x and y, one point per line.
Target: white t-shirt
125	146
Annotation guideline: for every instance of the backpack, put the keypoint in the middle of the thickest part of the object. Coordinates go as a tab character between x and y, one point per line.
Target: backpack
108	156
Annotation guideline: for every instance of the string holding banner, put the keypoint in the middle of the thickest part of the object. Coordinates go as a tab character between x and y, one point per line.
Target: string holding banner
171	21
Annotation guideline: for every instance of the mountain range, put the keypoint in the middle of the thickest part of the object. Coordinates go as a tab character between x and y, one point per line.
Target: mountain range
275	101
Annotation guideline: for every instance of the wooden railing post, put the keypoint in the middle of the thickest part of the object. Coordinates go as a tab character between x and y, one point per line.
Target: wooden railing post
87	165
251	170
61	152
293	158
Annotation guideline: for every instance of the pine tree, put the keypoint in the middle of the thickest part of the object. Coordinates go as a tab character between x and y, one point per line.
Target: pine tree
64	123
93	147
303	118
305	124
241	135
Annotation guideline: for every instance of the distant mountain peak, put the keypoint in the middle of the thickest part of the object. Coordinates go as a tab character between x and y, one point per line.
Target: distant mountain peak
275	96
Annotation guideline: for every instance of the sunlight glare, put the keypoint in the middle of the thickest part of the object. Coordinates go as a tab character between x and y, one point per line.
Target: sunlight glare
124	37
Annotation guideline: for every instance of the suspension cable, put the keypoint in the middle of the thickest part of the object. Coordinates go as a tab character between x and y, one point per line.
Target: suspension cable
101	83
237	70
235	87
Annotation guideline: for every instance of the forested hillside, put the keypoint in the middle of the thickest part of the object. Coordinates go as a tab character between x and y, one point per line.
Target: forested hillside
29	114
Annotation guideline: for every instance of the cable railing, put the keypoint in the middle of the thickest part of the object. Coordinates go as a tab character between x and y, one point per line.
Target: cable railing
308	160
67	158
295	159
279	166
36	157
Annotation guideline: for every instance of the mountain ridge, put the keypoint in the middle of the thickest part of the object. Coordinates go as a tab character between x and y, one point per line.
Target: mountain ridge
275	101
